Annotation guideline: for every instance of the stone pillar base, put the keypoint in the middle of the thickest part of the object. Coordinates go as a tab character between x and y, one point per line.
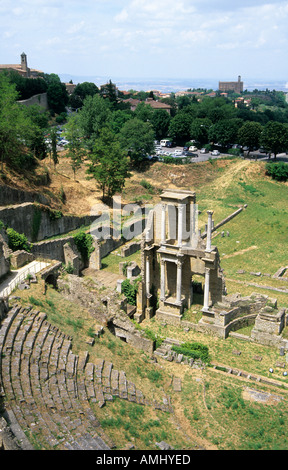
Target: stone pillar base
149	313
169	318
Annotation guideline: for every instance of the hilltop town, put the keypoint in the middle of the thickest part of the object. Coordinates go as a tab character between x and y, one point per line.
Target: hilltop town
143	279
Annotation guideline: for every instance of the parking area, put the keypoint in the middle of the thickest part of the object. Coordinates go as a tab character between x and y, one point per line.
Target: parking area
198	155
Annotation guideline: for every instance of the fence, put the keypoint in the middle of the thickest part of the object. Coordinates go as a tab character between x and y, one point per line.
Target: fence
33	268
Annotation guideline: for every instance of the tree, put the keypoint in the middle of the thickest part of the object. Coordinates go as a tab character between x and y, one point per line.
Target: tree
160	121
94	115
144	112
225	131
54	146
274	137
199	130
249	135
15	126
179	128
57	95
137	138
75	148
109	91
109	164
81	91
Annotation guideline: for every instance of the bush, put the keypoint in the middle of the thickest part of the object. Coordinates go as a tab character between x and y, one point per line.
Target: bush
278	171
84	243
17	241
194	350
130	291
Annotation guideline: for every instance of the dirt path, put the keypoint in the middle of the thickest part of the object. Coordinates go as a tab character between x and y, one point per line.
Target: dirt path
240	252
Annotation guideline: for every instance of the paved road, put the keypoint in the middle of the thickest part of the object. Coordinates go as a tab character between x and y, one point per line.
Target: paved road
19	275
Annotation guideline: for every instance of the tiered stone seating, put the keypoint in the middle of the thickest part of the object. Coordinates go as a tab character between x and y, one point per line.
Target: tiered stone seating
49	389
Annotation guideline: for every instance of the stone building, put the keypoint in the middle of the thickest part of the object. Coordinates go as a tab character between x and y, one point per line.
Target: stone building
173	251
237	87
22	68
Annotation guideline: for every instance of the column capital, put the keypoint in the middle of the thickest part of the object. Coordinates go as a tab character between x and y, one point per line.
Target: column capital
181	206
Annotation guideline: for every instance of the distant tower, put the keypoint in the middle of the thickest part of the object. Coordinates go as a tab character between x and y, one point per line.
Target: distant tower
24	61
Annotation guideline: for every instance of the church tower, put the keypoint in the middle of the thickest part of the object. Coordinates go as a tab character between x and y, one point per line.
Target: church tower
24	61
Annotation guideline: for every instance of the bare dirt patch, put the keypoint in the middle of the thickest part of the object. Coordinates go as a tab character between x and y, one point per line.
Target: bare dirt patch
261	397
240	252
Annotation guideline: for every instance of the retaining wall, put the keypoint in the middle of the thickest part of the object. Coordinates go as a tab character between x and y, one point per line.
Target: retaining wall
9	196
37	222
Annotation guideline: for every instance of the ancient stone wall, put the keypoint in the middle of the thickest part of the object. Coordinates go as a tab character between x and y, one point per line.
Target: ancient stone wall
51	249
10	196
40	100
38	222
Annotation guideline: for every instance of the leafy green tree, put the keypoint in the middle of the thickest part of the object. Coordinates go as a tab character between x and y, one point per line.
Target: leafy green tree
37	144
160	121
81	91
75	147
95	114
57	95
53	135
109	91
137	138
118	119
200	129
179	128
274	137
108	164
249	135
15	125
144	112
225	131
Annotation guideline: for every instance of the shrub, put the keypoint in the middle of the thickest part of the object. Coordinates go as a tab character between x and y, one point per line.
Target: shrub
130	291
146	185
84	243
278	171
194	350
17	241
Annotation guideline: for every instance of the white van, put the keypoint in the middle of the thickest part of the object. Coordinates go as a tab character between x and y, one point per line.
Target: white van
164	142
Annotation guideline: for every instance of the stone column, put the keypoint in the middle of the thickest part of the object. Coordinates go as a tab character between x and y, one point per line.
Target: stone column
147	276
209	231
179	281
162	281
163	224
181	208
206	288
192	223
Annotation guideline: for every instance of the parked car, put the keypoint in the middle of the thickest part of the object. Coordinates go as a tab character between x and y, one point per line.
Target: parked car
63	142
190	154
178	153
215	153
193	148
165	143
203	150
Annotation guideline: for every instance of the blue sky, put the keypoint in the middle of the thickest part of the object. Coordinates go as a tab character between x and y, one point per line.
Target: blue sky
152	38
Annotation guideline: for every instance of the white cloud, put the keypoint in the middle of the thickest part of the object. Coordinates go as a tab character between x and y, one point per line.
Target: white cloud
139	32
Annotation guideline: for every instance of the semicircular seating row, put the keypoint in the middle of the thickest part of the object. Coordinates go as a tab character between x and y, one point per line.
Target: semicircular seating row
48	390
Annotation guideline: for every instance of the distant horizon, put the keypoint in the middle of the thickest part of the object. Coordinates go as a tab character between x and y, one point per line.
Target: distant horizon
176	84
